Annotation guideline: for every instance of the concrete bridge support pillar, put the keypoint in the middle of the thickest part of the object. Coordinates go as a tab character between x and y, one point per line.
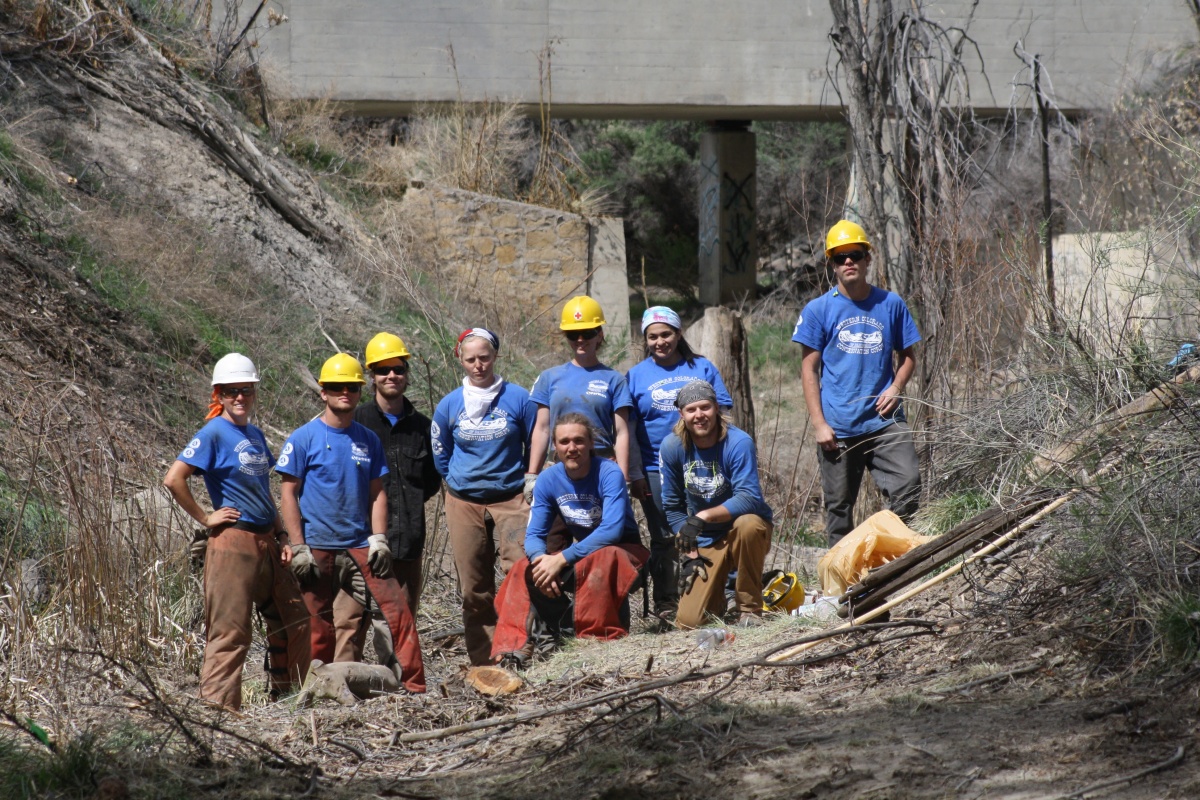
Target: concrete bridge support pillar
728	254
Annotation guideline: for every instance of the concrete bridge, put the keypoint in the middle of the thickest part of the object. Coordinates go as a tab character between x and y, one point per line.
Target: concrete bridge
692	59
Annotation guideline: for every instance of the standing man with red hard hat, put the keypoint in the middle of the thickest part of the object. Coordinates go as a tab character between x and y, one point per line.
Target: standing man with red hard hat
857	342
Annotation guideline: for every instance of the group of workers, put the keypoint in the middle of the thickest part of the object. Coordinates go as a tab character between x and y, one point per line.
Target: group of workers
541	480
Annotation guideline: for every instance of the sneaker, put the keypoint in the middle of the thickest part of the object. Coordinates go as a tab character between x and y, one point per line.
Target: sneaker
749	620
731	601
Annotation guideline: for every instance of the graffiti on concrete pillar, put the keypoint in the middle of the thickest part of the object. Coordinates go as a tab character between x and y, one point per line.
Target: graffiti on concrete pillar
710	208
738	211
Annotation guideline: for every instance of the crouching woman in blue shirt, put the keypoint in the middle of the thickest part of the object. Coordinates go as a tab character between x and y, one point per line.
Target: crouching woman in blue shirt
714	504
574	581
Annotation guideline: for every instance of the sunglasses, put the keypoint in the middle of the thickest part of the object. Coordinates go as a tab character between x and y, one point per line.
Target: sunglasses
380	372
588	335
338	388
854	255
230	392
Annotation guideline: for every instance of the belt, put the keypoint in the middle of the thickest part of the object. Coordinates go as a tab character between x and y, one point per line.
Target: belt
485	500
252	528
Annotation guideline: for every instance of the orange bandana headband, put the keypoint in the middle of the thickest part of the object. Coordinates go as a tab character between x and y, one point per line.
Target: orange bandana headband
214	407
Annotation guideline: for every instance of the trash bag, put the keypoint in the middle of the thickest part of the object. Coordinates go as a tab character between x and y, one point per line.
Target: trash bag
881	538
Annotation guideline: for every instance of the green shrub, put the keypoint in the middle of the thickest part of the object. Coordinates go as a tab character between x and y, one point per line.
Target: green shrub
29	770
1178	624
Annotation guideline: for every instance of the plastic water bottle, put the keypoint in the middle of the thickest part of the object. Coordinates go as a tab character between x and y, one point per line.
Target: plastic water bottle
712	638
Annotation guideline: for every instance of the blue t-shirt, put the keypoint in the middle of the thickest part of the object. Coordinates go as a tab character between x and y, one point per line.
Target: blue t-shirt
596	392
336	466
595	509
235	462
725	474
486	460
856	341
653	389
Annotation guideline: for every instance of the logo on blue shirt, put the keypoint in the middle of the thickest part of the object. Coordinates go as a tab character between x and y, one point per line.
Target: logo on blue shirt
663	398
598	388
493	426
860	336
701	485
251	460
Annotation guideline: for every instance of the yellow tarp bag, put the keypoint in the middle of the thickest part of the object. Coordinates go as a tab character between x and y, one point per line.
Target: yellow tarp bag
881	538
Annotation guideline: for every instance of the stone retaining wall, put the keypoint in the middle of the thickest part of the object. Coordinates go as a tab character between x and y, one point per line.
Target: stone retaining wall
516	261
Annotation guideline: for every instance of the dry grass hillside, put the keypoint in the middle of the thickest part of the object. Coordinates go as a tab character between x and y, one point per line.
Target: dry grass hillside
159	208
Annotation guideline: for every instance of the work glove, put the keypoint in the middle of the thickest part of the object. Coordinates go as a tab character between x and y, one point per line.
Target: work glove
379	555
530	481
303	566
686	537
198	547
690	570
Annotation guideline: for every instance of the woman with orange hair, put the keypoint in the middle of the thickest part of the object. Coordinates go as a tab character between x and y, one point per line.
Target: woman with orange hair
246	560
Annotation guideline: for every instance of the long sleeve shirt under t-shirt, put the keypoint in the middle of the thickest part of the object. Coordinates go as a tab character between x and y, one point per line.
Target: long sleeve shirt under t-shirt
595	509
725	474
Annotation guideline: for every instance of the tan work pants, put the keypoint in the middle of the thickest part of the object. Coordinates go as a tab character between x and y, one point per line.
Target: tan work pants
351	618
242	570
478	532
744	548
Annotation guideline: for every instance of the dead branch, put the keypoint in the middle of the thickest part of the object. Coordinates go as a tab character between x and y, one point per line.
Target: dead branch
1173	761
646	687
1163	396
358	751
233	46
999	676
183	721
1120	707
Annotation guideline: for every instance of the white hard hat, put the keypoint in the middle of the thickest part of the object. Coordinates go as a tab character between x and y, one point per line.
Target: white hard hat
234	368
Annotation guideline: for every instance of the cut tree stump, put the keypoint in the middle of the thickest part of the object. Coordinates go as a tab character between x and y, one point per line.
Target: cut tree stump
493	681
721	338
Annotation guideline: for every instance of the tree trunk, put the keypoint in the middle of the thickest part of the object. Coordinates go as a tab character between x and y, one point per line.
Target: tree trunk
721	338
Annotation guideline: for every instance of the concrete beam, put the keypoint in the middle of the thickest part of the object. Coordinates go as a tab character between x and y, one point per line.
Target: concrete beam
697	59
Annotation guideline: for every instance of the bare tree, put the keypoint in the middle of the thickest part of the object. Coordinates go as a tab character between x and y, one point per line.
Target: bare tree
907	100
920	157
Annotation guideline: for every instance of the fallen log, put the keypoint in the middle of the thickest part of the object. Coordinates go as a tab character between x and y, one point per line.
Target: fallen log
720	336
1159	398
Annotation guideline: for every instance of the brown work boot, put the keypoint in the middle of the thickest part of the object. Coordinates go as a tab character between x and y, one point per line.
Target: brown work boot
749	619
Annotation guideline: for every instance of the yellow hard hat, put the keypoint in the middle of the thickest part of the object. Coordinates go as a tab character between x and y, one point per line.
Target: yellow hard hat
581	313
383	347
341	368
783	593
845	232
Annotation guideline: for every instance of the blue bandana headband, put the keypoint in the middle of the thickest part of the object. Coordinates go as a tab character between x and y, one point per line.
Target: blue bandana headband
660	314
